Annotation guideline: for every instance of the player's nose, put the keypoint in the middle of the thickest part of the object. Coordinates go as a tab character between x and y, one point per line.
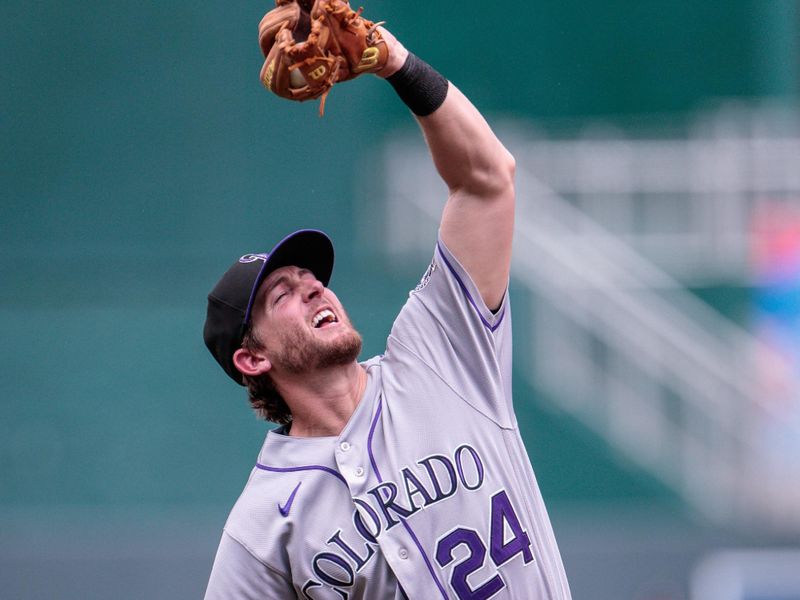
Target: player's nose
312	288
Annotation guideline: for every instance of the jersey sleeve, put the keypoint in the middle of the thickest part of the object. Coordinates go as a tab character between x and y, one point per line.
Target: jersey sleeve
446	324
238	575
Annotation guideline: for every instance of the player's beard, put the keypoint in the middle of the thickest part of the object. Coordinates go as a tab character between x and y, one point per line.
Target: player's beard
299	351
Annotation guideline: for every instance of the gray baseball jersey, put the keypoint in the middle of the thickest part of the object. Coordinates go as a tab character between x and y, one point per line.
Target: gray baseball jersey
427	492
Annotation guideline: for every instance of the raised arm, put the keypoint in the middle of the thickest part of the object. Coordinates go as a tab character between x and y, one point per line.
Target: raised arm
478	219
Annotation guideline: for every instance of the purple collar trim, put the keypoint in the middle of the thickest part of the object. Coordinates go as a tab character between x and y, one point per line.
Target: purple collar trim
303	468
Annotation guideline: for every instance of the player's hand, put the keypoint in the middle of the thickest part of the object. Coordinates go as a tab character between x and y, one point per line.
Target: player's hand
397	54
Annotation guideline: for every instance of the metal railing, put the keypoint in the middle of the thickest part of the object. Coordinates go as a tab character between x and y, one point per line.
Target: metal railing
683	194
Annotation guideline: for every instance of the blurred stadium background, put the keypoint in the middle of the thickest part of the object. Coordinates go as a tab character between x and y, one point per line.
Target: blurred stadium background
656	279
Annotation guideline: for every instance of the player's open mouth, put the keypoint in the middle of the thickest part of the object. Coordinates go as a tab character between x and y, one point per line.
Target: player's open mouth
324	318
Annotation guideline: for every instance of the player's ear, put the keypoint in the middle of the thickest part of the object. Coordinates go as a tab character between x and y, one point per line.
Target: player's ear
251	363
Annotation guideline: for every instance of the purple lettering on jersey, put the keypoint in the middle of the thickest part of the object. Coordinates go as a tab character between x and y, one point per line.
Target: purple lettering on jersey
336	568
478	466
359	561
361	526
474	561
451	473
304	468
386	493
310	584
469	297
409	479
501	550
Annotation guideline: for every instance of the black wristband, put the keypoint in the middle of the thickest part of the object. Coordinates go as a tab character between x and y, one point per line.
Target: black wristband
419	85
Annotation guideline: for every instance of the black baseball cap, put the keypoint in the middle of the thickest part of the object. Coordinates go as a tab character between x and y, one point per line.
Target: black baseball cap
231	300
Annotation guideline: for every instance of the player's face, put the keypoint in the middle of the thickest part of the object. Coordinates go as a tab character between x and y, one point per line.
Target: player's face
302	324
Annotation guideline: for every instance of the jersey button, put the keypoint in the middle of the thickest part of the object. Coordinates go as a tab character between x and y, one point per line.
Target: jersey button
402	553
345	446
359	472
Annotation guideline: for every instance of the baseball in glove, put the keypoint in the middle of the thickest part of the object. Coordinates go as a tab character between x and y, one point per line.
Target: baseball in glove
309	45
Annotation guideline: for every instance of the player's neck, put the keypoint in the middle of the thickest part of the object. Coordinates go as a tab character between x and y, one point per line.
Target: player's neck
322	402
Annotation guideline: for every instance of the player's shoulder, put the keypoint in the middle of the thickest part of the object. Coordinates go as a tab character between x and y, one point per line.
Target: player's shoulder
261	490
260	515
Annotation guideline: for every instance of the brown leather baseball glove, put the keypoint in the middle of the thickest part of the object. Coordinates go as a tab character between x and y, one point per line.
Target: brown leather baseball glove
310	45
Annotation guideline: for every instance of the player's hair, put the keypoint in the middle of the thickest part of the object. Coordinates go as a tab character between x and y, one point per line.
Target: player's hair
264	398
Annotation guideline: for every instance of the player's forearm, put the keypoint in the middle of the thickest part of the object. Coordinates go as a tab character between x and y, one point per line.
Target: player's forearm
467	154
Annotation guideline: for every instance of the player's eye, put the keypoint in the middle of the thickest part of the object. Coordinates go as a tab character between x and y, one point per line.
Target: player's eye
280	295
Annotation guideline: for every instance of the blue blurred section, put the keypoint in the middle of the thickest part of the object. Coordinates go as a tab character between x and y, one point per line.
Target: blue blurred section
777	272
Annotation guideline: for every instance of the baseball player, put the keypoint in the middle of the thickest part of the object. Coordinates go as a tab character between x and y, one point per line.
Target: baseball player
403	476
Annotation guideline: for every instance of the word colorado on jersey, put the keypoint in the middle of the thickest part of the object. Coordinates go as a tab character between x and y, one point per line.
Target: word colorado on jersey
389	503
